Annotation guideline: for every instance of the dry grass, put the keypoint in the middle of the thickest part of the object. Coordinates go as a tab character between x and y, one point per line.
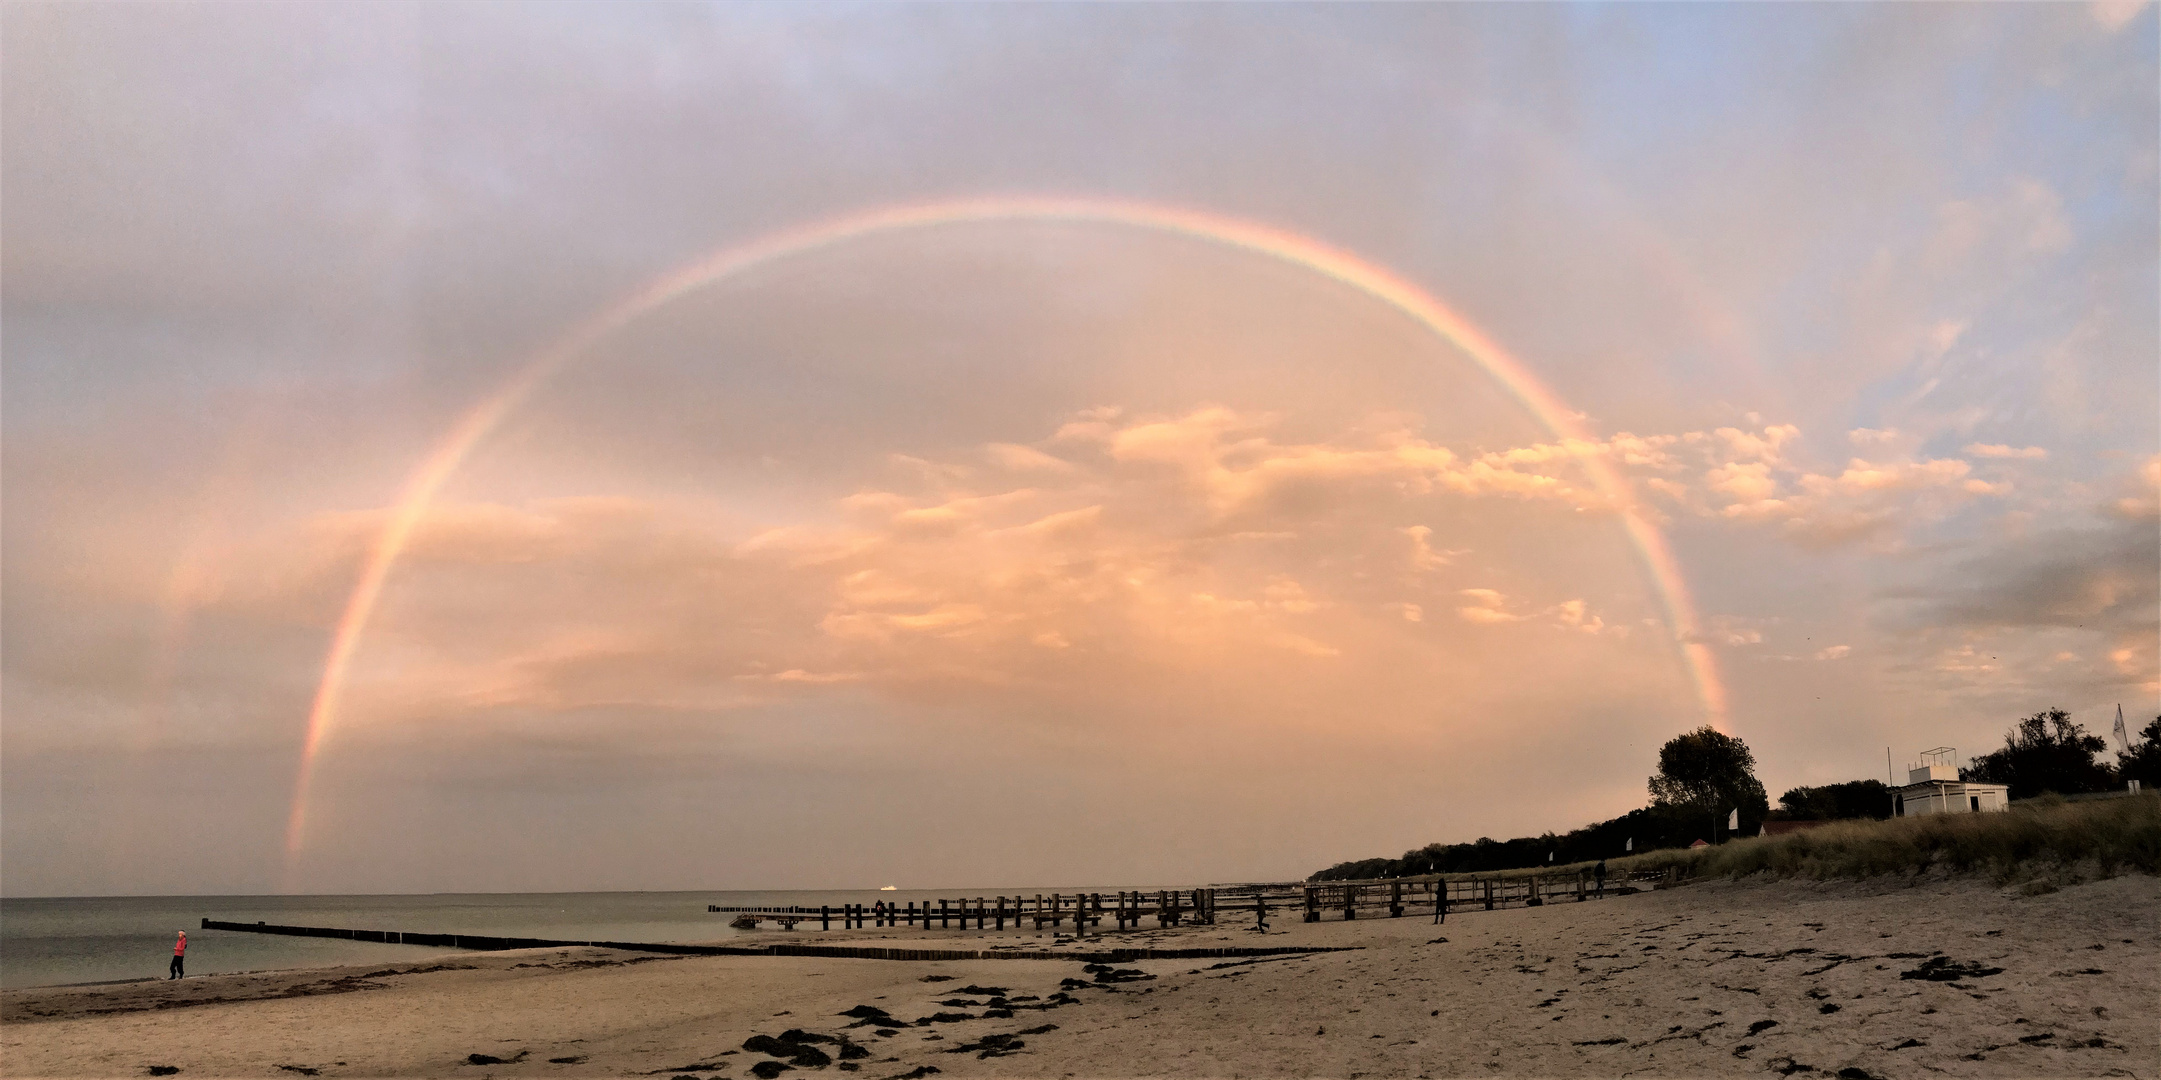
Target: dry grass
2044	836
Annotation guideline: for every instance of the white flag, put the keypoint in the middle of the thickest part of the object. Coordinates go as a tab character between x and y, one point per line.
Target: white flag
2123	738
1549	856
1631	844
1733	820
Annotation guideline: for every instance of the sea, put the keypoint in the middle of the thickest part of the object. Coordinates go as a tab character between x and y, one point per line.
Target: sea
98	939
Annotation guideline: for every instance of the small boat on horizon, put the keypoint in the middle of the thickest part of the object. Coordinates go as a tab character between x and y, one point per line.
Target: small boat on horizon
888	888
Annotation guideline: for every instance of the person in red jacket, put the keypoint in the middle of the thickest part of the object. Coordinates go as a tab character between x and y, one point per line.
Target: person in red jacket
180	953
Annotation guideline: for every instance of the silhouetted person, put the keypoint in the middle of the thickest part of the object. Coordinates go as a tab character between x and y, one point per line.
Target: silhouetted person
180	955
1260	914
1600	873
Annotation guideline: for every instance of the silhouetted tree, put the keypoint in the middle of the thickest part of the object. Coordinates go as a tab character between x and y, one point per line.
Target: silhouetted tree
1710	772
2047	751
1835	802
2142	762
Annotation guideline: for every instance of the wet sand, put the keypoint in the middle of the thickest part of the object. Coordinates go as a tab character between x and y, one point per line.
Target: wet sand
1882	979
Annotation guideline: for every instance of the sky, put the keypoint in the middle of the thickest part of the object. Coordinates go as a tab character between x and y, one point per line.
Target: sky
585	447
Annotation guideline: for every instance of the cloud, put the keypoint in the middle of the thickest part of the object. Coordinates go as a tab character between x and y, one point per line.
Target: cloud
1484	606
1999	450
2114	15
2143	503
1423	554
2026	597
1835	652
798	675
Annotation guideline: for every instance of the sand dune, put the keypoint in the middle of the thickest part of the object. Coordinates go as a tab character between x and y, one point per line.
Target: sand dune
1954	978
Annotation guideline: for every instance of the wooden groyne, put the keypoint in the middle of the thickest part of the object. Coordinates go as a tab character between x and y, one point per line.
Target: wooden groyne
487	943
477	942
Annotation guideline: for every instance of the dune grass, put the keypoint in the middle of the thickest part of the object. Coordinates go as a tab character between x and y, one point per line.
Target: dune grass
2047	836
2102	838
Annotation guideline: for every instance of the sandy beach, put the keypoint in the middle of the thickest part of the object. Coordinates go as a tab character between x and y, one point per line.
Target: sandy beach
1948	977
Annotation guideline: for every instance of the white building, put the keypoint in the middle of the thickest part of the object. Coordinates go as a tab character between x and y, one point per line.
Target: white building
1933	787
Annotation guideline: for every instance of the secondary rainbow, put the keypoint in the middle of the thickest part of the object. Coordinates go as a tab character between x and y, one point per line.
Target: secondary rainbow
1330	262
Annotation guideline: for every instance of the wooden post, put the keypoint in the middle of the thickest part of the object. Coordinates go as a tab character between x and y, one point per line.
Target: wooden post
944	916
825	916
1579	887
1489	894
1537	898
1395	899
1313	903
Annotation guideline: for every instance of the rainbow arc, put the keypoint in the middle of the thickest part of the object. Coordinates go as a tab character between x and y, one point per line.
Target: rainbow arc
1336	264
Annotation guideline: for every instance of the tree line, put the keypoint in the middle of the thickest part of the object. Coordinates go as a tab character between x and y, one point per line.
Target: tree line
1705	775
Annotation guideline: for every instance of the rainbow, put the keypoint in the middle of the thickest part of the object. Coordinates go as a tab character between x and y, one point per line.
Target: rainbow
1333	263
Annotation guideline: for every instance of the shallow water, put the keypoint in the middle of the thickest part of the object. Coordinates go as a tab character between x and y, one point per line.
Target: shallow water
50	941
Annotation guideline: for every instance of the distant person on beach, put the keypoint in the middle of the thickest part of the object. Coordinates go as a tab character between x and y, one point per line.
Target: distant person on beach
1260	915
180	955
1600	872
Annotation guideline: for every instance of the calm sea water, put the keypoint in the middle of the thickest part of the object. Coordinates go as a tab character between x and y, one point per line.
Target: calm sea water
45	942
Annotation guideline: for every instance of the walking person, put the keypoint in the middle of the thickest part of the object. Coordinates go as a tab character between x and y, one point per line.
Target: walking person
1600	873
1260	914
180	955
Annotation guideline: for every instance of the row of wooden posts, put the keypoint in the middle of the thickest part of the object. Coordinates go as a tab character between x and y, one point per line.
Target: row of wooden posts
1167	906
1170	907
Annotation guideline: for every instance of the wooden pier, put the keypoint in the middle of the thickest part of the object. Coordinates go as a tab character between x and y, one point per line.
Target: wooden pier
1084	910
1387	898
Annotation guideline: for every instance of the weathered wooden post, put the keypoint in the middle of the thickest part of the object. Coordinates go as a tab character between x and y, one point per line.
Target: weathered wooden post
1313	903
825	916
1489	894
1536	897
1395	899
945	916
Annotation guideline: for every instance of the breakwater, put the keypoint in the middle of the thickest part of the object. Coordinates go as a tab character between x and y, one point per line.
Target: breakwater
489	943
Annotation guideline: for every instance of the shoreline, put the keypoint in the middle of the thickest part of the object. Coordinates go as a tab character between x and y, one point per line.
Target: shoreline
1714	978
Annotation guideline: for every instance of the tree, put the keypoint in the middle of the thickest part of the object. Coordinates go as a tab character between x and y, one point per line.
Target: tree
1709	772
2047	751
1835	802
2142	762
